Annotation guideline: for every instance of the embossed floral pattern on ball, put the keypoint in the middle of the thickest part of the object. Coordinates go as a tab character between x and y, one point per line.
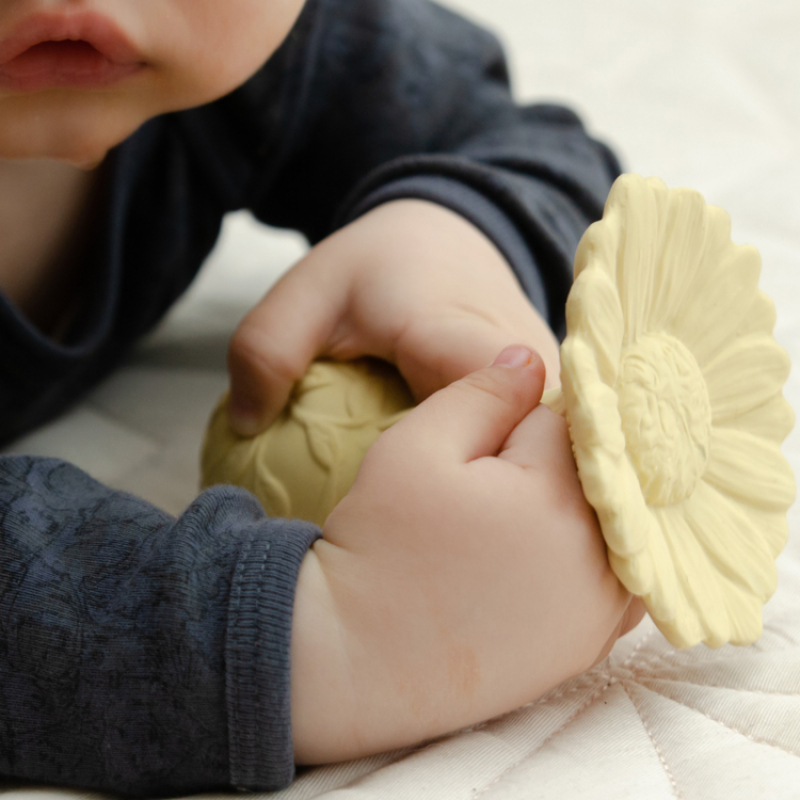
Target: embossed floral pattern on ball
671	384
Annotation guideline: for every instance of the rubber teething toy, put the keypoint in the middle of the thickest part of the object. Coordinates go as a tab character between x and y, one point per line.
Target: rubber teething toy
307	460
671	385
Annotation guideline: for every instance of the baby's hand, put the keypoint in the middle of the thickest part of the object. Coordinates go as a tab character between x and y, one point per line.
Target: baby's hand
463	576
410	282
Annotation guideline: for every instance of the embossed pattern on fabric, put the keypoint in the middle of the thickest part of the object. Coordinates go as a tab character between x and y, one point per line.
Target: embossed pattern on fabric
113	623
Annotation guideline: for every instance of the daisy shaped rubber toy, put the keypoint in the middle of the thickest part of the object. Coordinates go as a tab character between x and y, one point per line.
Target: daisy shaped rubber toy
671	383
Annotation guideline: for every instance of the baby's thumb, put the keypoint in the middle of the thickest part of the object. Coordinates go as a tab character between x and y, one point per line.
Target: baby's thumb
473	417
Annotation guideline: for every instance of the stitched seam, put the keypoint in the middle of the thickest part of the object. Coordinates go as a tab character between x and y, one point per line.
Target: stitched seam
639	673
752	738
592	697
547	698
675	658
660	755
644	640
610	681
236	754
257	682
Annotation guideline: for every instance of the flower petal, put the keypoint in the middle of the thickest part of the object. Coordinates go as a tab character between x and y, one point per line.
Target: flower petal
624	517
698	580
683	238
717	247
598	246
593	310
554	400
760	317
746	374
733	544
744	612
710	318
636	573
591	404
650	573
637	203
717	240
677	633
681	629
773	527
772	420
750	469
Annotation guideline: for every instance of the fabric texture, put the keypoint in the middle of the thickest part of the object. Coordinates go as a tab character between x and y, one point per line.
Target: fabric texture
140	653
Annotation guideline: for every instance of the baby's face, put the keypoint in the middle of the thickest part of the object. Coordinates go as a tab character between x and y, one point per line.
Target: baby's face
77	77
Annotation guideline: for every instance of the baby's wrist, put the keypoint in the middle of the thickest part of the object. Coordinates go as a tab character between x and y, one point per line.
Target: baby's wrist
321	688
347	627
352	634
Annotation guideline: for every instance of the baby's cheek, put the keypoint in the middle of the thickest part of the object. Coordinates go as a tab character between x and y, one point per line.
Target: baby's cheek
204	49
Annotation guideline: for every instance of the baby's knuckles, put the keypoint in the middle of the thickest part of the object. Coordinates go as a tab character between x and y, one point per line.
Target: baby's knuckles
402	492
477	385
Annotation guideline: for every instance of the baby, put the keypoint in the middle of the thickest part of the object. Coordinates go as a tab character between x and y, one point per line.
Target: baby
464	575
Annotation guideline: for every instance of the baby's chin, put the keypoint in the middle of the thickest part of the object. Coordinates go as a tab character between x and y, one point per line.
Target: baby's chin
68	127
80	127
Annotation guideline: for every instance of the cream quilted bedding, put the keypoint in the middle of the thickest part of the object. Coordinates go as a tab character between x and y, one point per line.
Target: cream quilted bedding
703	93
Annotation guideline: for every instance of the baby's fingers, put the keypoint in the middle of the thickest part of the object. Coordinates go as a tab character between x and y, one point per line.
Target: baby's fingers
275	343
541	439
472	417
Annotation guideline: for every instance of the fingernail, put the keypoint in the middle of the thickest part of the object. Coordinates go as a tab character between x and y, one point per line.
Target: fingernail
516	355
243	420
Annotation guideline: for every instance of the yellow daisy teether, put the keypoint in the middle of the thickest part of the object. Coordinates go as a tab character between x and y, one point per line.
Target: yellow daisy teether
671	385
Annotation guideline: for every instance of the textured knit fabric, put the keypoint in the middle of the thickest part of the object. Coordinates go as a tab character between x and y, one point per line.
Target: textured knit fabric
140	653
150	655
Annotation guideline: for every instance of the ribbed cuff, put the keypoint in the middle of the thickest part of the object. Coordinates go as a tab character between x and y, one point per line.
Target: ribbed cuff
257	651
480	211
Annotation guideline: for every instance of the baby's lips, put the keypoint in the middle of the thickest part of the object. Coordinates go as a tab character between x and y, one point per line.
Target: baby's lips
96	30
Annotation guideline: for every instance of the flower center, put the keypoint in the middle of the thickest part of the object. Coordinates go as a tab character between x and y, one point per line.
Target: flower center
666	417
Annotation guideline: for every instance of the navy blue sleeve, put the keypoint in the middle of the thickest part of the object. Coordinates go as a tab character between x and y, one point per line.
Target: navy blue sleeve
140	653
389	99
